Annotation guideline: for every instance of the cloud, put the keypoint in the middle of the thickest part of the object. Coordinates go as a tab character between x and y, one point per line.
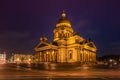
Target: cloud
12	38
82	23
114	48
117	43
14	35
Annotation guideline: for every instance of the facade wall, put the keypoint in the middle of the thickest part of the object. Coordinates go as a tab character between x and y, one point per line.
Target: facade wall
2	58
67	55
22	58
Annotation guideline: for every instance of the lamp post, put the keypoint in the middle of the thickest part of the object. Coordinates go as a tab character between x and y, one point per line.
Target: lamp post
18	61
29	61
111	62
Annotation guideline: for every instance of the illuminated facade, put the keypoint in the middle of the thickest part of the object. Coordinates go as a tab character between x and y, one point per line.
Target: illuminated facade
2	58
67	46
22	58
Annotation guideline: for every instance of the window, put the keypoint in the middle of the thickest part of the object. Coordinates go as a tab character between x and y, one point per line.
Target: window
70	54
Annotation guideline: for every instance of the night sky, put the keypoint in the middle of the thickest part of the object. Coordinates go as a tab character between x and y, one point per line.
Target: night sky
23	22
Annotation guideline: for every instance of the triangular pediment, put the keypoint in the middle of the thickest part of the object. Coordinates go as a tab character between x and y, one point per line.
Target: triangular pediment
91	44
42	44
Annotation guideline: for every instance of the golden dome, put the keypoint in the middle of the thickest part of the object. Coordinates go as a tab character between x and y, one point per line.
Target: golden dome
63	19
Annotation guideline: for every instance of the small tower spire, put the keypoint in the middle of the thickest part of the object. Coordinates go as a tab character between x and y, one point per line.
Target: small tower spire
63	14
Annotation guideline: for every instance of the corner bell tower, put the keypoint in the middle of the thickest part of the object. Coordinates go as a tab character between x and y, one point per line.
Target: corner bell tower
63	29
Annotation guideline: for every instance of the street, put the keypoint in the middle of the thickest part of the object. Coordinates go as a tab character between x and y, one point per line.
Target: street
11	72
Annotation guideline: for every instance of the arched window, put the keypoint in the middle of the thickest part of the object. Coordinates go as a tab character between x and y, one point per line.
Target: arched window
70	54
80	57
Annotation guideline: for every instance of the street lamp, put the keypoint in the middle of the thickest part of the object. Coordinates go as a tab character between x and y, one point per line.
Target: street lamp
17	60
29	60
110	60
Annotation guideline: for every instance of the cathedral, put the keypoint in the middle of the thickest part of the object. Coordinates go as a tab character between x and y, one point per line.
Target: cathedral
66	47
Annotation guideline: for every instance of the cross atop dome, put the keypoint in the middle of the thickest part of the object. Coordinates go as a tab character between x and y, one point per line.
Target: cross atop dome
63	14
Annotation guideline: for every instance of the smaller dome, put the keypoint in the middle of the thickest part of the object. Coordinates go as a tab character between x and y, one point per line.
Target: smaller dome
43	38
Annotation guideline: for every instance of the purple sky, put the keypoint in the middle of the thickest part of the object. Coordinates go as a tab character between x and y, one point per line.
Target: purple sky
23	22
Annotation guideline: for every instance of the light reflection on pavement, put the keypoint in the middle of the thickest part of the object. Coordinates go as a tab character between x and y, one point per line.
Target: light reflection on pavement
8	72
